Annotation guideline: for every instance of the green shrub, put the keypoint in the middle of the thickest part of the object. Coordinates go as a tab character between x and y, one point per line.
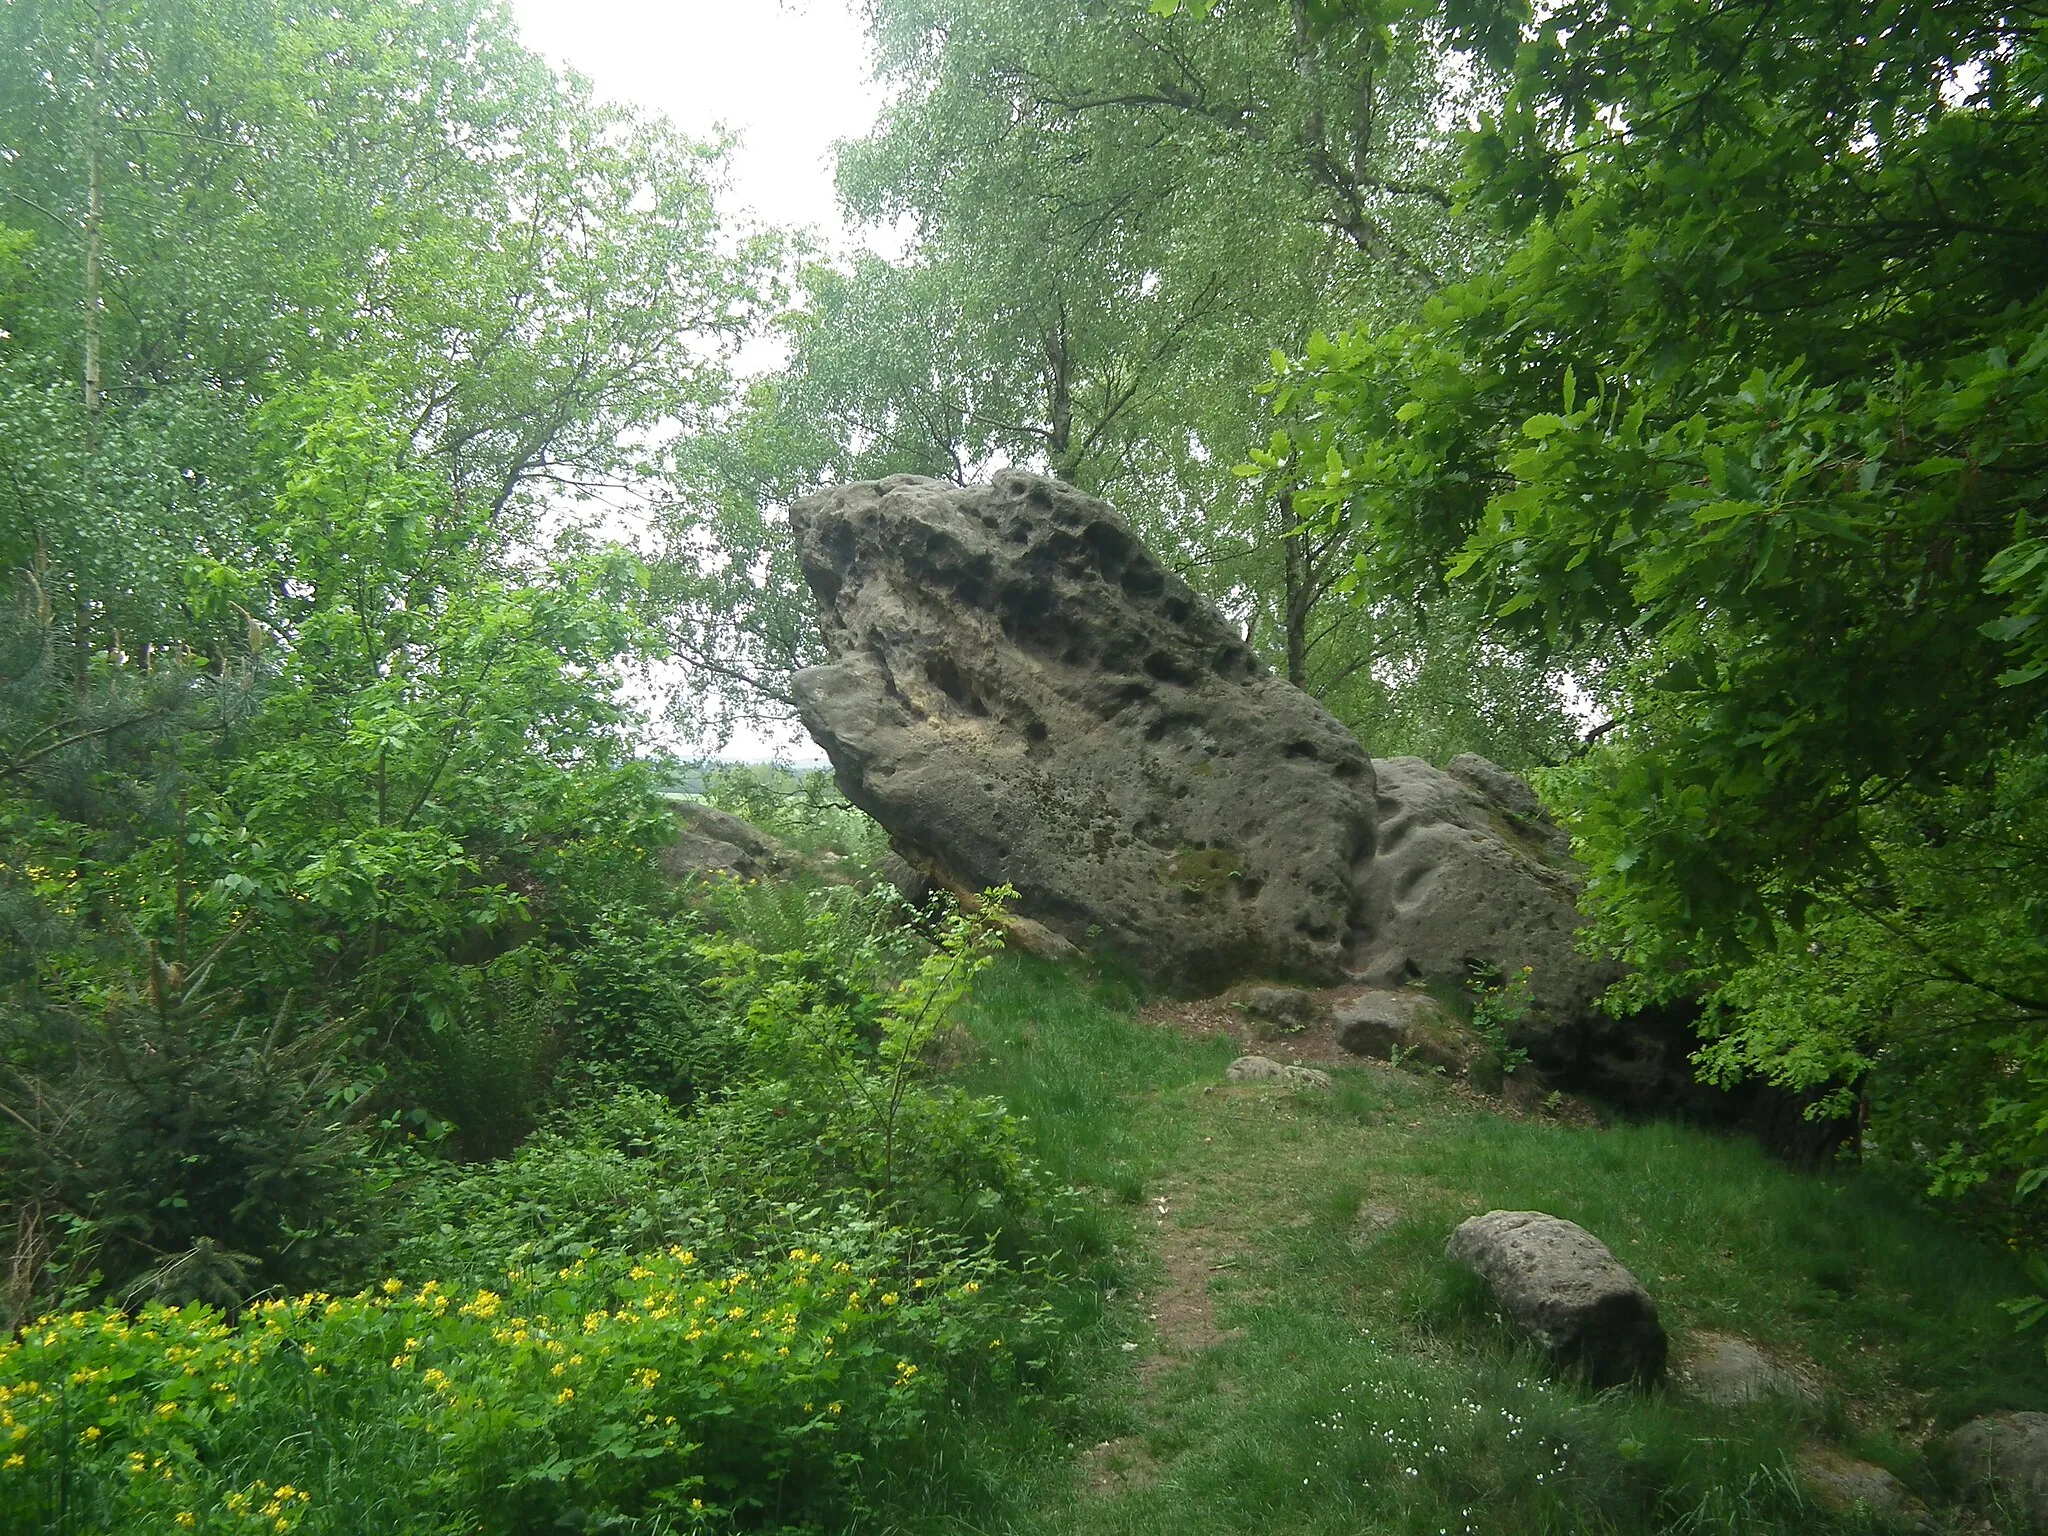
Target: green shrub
644	1014
623	1174
484	1056
859	933
646	1395
179	1153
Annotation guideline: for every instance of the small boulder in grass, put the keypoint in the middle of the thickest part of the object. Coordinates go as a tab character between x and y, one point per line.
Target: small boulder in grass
2002	1460
1559	1284
1283	1007
1260	1069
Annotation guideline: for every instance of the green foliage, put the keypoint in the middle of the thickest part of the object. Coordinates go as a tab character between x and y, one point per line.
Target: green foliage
1918	986
315	776
1751	416
626	1395
145	1142
643	1010
803	808
370	826
1080	297
1497	1014
823	1102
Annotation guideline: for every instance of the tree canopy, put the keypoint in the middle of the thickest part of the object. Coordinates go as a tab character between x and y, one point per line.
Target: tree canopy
1113	218
1754	409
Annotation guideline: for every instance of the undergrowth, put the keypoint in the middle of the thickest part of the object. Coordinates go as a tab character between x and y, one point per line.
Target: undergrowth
1365	1384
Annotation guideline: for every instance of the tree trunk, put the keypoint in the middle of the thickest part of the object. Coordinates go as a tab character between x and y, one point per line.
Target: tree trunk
1059	437
1298	593
94	209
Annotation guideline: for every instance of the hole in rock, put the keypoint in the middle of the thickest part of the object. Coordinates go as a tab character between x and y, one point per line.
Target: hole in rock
1144	579
1109	548
946	676
1169	668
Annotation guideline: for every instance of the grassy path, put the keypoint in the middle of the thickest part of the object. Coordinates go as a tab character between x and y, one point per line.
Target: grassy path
1287	1351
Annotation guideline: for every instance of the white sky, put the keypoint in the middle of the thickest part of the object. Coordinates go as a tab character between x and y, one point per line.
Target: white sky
789	77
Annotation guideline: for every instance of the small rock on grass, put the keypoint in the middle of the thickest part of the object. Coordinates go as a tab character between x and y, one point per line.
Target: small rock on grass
1412	1025
1561	1285
1726	1371
1034	938
1283	1008
1843	1484
1260	1069
2002	1460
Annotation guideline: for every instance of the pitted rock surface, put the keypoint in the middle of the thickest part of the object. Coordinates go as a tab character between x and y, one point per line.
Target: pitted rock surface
1470	872
1561	1285
1021	694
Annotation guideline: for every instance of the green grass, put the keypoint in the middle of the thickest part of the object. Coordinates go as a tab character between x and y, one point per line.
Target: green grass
1363	1384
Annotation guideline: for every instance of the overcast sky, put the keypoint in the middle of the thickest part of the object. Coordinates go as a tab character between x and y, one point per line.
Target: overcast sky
789	77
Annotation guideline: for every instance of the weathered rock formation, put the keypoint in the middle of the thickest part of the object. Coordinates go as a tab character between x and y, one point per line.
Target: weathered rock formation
1559	1284
1471	875
710	842
1021	694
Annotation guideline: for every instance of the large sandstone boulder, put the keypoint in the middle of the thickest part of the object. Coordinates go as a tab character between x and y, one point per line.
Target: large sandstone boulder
1470	875
1021	694
1561	1286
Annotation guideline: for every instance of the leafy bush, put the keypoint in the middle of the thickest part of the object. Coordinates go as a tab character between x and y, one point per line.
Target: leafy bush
1914	997
644	1013
824	1102
859	931
340	861
803	808
646	1395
